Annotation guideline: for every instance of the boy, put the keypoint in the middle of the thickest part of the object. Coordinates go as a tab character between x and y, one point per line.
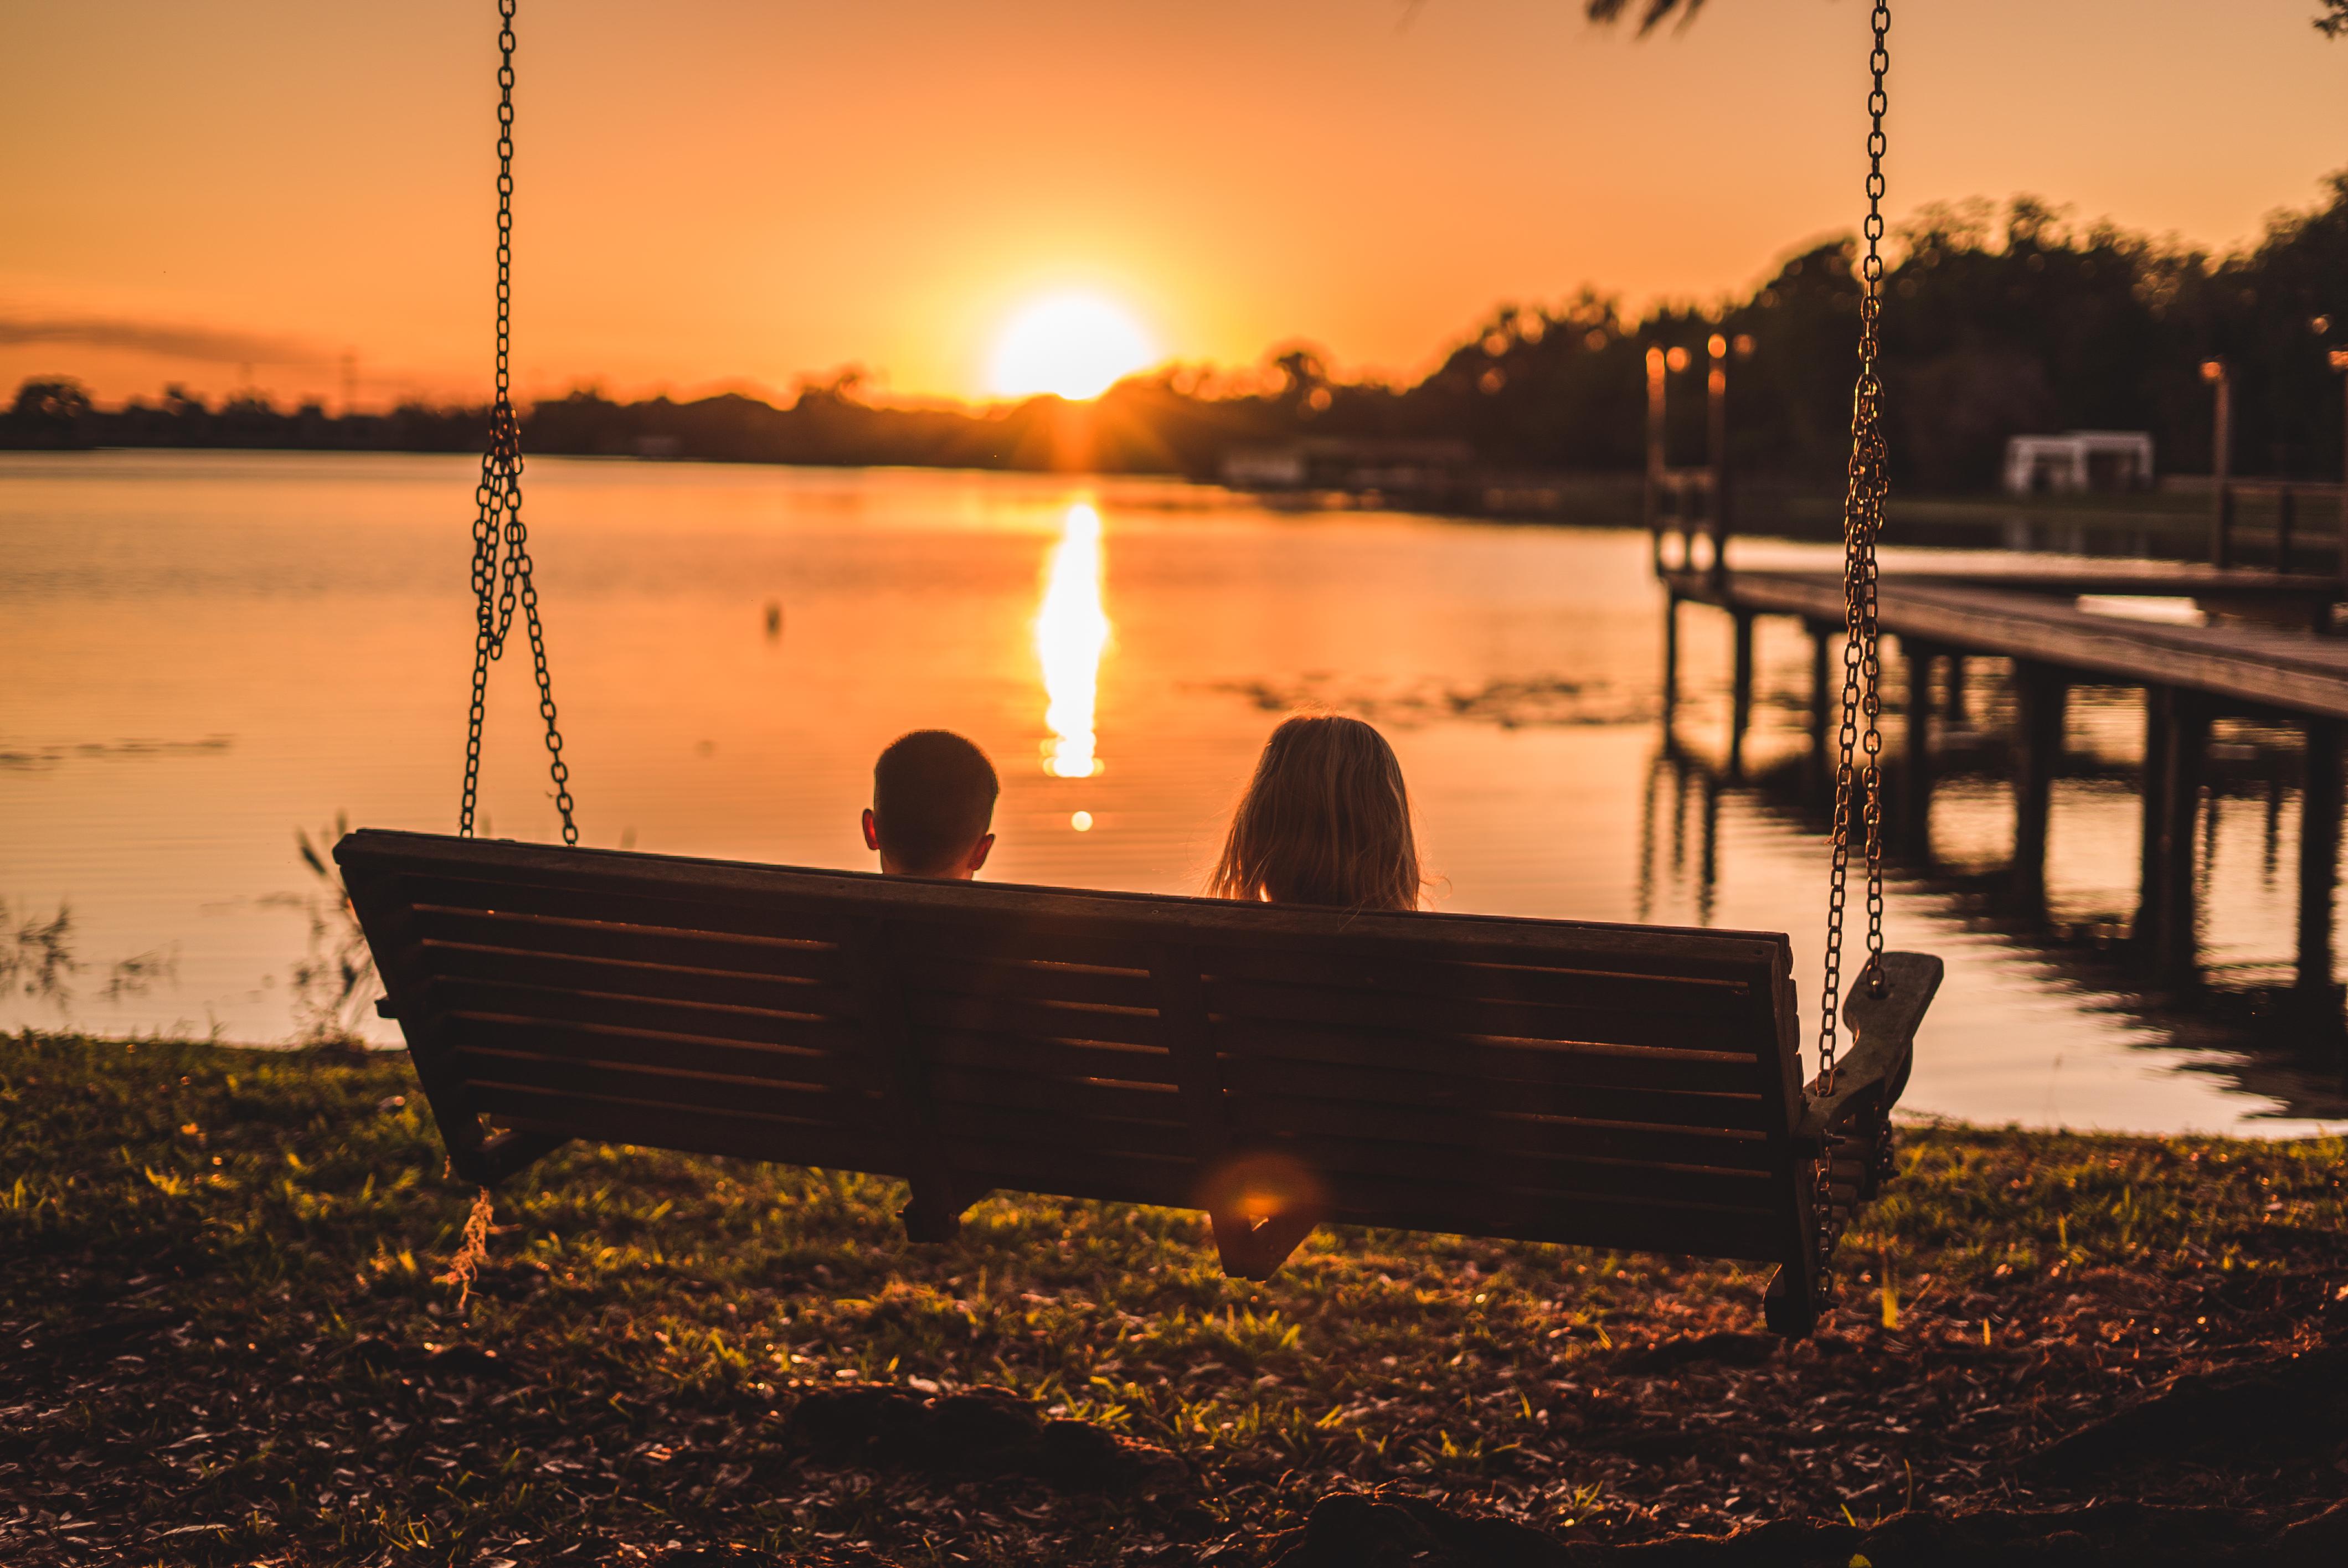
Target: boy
932	805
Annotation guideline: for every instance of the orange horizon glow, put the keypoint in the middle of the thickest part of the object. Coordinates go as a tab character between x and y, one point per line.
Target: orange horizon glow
735	196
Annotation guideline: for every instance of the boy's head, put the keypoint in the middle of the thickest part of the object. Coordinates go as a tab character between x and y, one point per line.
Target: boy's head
933	800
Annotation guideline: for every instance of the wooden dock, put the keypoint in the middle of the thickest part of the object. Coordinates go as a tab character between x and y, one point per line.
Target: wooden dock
2263	650
2262	646
2015	614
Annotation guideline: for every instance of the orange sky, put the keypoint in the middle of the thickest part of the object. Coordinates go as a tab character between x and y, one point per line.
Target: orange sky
738	191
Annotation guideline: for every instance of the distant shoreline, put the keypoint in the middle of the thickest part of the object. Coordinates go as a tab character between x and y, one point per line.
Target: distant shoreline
2171	521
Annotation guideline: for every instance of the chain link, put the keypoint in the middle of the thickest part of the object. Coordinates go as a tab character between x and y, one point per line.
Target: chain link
1859	742
501	565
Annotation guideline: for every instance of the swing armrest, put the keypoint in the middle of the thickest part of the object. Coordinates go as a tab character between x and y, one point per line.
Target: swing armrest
1876	1071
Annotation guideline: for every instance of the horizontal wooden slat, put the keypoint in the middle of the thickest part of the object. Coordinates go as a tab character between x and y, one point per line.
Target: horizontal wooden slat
922	938
846	1110
1326	1006
1502	1169
824	1053
784	921
1056	1132
1638	1107
1053	1096
1028	981
622	978
778	1063
555	1004
698	1130
1443	1131
671	947
1483	1070
1043	1021
1677	996
1050	1058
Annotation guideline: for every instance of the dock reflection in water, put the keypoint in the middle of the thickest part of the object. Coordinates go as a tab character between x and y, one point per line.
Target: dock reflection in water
2077	921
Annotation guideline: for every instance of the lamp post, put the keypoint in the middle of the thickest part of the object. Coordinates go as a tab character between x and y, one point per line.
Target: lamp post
1673	361
2340	364
2221	463
1655	451
1715	387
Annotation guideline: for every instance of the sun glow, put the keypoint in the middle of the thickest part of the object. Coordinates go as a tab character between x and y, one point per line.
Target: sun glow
1076	345
1071	632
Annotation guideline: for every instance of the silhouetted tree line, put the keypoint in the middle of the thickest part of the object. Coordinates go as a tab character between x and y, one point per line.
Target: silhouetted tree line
1996	322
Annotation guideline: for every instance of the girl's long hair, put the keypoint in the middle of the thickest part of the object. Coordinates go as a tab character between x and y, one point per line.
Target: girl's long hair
1325	820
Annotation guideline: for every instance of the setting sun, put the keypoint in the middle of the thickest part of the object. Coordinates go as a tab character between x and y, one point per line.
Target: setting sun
1076	345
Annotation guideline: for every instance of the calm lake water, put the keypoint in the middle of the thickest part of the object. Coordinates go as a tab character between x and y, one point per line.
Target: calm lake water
204	652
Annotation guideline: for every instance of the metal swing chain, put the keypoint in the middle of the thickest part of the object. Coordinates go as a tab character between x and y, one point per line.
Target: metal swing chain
1860	739
501	565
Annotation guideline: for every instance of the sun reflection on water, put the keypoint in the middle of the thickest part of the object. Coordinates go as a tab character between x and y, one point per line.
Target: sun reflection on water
1071	632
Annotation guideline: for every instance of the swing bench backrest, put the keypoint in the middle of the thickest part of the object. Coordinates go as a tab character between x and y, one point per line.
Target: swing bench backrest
1620	1086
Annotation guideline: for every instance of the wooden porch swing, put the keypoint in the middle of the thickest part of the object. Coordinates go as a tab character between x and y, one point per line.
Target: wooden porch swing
1632	1087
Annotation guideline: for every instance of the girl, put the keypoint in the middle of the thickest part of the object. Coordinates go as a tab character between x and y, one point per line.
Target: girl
1325	820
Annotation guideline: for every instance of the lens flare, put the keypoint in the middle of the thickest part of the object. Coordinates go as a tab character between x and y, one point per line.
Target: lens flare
1072	630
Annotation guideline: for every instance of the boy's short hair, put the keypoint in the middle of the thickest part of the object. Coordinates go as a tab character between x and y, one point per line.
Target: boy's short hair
933	797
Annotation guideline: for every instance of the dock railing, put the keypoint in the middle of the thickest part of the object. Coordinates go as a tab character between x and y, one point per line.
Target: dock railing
2226	490
2289	496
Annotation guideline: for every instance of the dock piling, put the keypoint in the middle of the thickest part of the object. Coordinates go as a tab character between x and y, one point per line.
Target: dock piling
2319	854
2173	948
1670	657
2040	694
2155	755
1916	773
1822	703
1741	696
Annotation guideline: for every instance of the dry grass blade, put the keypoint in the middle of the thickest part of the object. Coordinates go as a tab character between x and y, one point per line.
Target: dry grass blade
466	1265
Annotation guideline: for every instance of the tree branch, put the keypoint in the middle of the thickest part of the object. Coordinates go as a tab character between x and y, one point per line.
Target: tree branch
2332	23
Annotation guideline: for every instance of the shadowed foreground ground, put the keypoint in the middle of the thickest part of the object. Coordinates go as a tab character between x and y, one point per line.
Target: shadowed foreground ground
220	1342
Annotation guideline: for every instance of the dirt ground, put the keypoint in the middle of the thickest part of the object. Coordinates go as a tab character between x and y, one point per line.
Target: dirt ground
222	1341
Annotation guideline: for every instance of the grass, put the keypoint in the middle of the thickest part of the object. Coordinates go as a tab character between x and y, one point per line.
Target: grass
224	1342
